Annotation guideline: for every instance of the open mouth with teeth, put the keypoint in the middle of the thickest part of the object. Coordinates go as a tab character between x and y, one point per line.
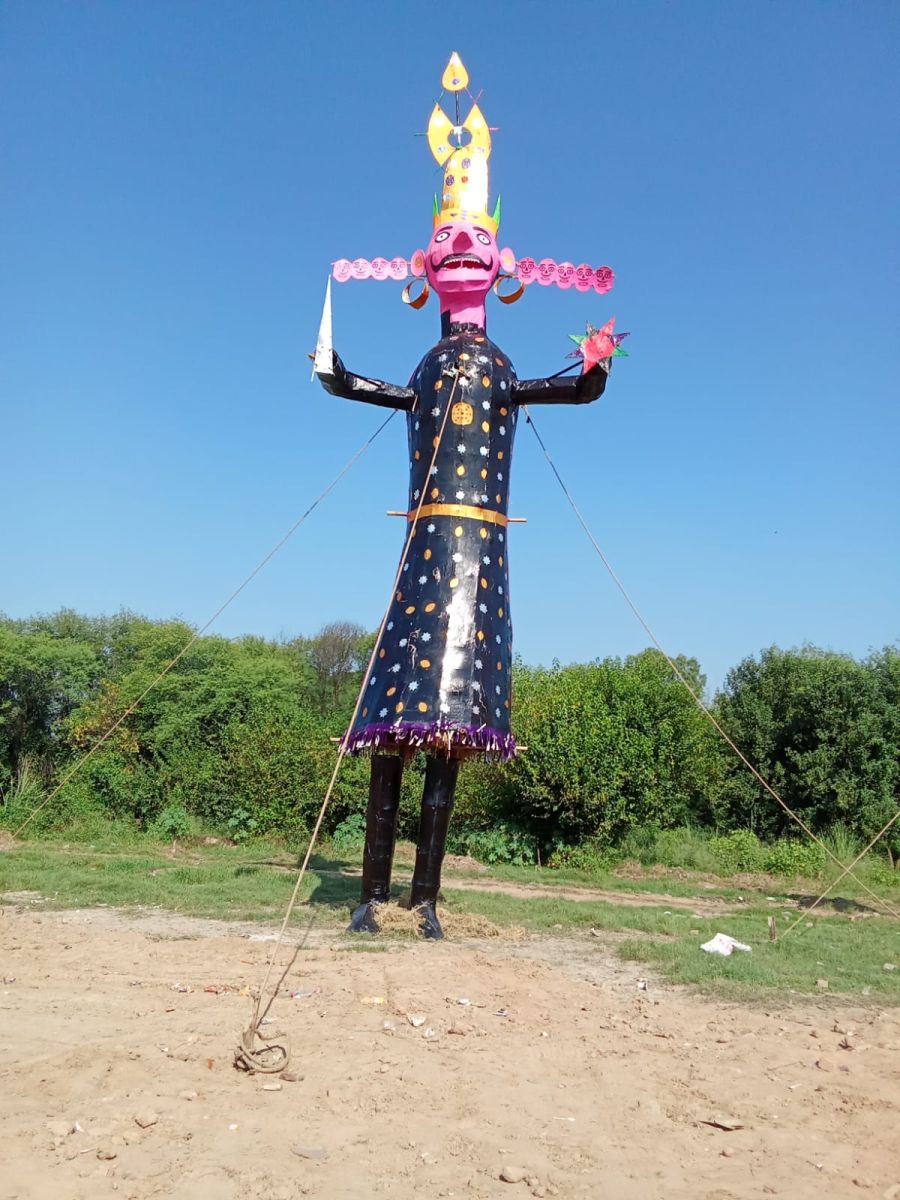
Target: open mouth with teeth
455	262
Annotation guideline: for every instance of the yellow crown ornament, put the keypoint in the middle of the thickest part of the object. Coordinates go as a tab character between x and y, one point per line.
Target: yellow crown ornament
463	151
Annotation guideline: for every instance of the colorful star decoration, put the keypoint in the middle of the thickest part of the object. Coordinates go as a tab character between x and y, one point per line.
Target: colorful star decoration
594	345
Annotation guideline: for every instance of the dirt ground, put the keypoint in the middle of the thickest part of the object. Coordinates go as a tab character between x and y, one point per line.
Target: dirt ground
560	1072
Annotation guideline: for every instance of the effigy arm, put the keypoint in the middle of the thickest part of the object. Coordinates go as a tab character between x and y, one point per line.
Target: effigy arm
341	382
565	389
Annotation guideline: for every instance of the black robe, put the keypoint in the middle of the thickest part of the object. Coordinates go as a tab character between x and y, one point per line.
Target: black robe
442	675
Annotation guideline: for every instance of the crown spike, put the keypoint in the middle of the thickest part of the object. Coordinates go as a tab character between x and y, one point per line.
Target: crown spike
455	76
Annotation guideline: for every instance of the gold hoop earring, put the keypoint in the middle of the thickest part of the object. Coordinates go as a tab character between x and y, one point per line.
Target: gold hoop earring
508	297
422	298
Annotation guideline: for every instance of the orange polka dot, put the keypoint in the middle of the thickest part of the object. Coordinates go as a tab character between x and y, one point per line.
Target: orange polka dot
464	357
486	426
431	606
500	560
483	532
417	456
486	380
423	707
499	666
503	412
435	493
484	472
479	340
498	498
399	595
454	583
484	582
398	707
390	691
381	653
506	704
365	712
458	531
460	470
427	555
434	441
499	612
499	362
410	609
500	454
424	663
438	385
480	635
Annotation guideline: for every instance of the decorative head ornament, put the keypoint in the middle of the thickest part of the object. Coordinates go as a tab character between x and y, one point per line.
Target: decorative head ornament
462	149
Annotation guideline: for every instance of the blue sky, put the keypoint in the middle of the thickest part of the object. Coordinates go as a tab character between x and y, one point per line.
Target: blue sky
178	177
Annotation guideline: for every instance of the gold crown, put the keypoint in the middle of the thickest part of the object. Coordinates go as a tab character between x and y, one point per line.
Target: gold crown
463	151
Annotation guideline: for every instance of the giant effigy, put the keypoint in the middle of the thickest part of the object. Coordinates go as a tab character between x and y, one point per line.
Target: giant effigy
440	679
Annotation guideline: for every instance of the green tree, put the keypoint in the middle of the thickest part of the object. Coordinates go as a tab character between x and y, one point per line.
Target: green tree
43	677
611	746
819	727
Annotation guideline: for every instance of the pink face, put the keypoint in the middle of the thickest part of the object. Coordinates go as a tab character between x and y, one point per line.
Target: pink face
462	261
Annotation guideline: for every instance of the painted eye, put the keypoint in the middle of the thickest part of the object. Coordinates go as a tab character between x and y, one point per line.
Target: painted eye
483	238
442	236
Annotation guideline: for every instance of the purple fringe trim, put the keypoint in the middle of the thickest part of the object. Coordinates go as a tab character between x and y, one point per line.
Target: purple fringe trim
433	735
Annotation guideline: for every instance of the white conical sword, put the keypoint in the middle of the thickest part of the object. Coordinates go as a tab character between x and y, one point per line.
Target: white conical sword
323	361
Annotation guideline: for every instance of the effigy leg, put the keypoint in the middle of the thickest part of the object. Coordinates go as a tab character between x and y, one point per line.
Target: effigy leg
437	805
381	834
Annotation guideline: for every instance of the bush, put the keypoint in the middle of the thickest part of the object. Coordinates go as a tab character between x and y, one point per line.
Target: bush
237	735
738	851
786	857
242	825
612	746
640	843
21	797
823	729
350	835
505	843
878	873
173	822
684	847
843	843
590	857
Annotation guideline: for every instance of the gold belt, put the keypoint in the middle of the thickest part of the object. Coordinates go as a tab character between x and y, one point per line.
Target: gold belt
487	516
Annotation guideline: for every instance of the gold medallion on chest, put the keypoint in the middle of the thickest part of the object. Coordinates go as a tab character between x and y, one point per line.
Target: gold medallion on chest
462	413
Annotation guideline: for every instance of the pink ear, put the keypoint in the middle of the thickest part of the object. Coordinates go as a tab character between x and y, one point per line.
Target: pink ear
507	260
417	263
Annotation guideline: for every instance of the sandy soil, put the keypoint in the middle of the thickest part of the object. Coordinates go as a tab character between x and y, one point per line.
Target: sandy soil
116	1076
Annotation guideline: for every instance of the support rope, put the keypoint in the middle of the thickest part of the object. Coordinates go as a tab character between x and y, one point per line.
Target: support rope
695	696
79	763
846	871
254	1052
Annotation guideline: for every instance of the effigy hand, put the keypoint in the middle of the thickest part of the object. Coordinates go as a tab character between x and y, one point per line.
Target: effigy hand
329	366
590	383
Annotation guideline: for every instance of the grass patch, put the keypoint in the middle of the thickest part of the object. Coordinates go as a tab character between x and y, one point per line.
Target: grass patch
253	882
850	957
225	883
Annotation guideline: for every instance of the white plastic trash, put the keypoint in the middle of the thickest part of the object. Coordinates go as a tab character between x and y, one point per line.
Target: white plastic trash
723	944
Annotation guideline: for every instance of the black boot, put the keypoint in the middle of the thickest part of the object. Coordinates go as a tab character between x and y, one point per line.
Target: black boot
437	805
381	834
